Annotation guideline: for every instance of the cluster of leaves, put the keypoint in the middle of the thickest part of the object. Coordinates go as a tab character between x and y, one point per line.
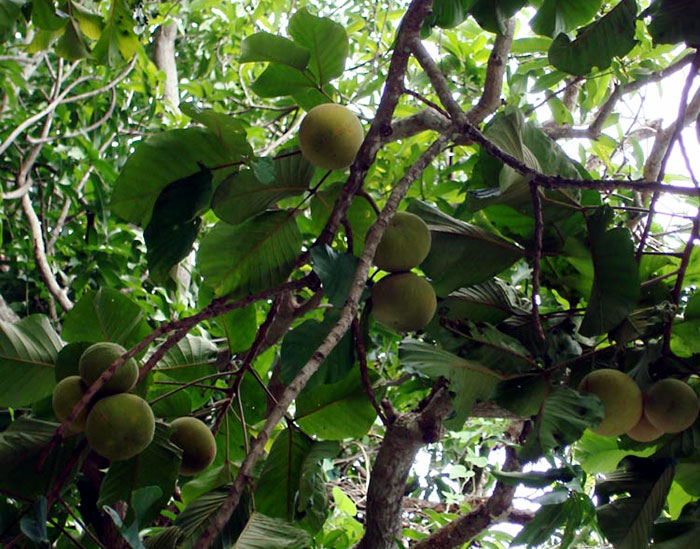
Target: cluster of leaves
248	218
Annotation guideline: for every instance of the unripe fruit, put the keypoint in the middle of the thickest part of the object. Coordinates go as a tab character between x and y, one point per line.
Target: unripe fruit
197	443
404	302
66	395
671	405
120	426
330	136
621	398
97	358
404	244
644	431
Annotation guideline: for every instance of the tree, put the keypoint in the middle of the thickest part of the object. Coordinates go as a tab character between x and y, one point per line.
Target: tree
154	197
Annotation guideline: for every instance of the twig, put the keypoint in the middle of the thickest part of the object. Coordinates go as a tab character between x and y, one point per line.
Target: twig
364	372
536	258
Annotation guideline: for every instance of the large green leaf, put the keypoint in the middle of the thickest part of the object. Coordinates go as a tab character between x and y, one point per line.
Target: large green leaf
599	454
191	358
230	131
679	534
336	411
685	335
118	41
280	80
28	351
105	315
469	380
9	12
462	254
562	419
21	447
291	464
174	223
164	158
675	21
447	14
243	195
263	46
642	485
493	14
158	465
336	272
300	343
197	515
250	257
312	503
555	16
491	301
597	44
325	39
616	286
263	532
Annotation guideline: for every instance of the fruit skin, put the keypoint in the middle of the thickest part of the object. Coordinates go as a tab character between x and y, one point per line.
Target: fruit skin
120	426
197	443
97	358
66	395
404	302
671	405
330	136
644	431
621	398
404	244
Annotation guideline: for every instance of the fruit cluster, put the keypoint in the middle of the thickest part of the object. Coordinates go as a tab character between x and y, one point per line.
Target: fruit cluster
403	300
119	425
669	406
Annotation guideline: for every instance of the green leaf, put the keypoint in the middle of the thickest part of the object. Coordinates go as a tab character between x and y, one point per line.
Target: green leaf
251	257
313	503
555	16
462	254
469	380
9	12
33	524
599	454
536	479
292	457
68	358
301	342
197	514
240	326
229	131
448	14
281	80
616	286
241	195
71	45
627	521
28	350
191	358
263	46
118	41
44	15
679	534
263	532
492	301
105	315
563	417
21	447
90	23
211	479
336	411
597	44
675	21
523	395
325	39
493	14
336	272
157	466
162	159
685	335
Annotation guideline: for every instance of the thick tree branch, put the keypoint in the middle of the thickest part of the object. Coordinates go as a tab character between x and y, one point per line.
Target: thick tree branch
404	437
164	58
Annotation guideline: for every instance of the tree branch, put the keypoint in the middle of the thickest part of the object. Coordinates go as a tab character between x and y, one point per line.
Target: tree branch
164	58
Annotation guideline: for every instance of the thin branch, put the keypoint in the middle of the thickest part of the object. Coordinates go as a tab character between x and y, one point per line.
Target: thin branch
364	372
536	258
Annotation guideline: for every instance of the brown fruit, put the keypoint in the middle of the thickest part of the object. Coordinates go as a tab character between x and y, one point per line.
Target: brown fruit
197	443
66	395
404	244
120	426
404	302
621	398
330	136
644	431
671	405
97	358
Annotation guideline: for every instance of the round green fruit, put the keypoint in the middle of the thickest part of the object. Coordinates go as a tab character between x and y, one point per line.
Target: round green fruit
644	431
97	358
404	302
197	443
404	244
120	426
621	398
671	405
330	136
66	395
